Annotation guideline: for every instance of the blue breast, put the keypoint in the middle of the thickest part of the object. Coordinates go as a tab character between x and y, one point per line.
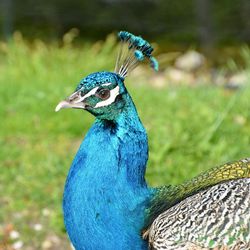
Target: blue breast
105	193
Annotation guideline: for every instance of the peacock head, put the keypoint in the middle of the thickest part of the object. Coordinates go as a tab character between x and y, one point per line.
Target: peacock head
104	94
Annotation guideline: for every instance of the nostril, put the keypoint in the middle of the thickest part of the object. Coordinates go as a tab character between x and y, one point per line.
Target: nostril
75	96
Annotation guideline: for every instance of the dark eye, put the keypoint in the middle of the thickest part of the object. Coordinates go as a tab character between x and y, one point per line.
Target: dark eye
103	94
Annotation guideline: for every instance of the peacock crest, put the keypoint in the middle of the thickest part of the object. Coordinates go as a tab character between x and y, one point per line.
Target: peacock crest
133	50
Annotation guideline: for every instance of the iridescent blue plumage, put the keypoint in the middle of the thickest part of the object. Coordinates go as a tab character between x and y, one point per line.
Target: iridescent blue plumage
105	194
96	79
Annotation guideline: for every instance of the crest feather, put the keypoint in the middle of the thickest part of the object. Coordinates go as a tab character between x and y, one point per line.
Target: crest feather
133	50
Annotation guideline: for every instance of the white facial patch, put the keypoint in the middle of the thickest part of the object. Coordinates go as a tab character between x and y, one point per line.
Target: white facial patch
113	94
90	93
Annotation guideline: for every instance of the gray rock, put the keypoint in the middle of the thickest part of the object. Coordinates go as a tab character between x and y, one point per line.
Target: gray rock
190	61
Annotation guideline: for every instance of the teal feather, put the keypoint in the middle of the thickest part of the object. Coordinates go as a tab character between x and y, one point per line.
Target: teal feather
154	63
137	50
139	55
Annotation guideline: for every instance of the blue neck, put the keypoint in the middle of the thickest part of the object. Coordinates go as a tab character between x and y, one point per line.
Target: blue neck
105	193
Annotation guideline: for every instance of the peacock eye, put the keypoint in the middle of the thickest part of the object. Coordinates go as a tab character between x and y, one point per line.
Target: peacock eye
103	94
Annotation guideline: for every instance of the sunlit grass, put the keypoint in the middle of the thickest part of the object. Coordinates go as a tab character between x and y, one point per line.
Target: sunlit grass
190	129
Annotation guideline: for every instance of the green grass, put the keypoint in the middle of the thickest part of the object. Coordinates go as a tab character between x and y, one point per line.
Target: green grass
190	129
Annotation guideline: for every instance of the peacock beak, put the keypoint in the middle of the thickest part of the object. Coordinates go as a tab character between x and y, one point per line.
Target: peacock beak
73	101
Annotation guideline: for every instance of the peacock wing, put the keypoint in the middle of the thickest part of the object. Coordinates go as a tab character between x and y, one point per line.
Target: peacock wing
204	193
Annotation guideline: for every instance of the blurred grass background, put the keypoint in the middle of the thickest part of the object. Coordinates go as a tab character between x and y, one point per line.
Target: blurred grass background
190	128
195	119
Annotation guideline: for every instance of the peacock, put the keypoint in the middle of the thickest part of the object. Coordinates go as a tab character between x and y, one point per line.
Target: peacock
107	203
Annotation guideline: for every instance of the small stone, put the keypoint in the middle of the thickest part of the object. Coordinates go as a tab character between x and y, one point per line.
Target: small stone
190	61
38	227
14	235
237	81
54	239
239	119
158	81
17	215
46	212
46	244
17	245
178	76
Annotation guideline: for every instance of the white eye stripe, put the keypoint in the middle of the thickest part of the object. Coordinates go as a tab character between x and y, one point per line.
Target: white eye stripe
113	94
92	92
